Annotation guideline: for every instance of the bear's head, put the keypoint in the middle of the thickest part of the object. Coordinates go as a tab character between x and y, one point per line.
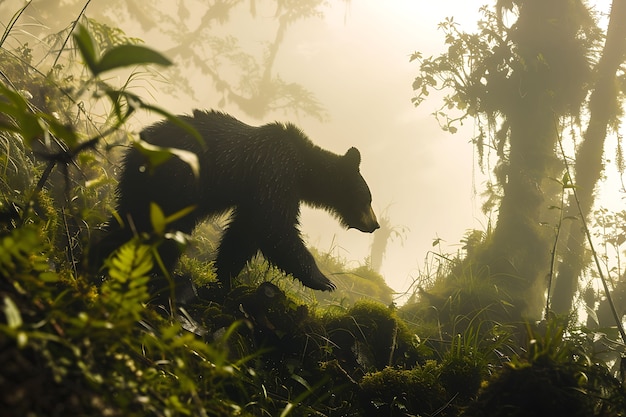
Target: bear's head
353	200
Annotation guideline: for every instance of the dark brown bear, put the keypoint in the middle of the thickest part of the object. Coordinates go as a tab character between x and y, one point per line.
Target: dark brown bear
262	174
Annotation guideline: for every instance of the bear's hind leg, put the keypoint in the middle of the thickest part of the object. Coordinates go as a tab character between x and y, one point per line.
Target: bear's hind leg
237	247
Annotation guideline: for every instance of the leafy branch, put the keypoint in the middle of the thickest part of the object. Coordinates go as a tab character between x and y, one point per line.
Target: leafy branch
21	117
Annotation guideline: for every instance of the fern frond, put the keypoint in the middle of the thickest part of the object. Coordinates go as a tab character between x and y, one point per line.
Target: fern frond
22	254
126	290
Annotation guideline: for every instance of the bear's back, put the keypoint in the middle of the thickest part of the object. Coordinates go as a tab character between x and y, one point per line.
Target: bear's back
236	159
214	127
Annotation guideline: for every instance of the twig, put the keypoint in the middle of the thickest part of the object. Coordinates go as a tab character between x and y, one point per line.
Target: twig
67	38
12	23
553	255
605	285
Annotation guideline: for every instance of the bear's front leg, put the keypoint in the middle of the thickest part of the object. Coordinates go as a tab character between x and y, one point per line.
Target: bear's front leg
254	228
290	255
282	246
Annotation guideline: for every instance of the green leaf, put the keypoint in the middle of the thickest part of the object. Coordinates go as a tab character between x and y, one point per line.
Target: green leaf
179	214
31	127
189	158
124	103
567	181
156	155
128	55
49	277
62	131
157	218
143	268
176	121
14	102
88	48
21	119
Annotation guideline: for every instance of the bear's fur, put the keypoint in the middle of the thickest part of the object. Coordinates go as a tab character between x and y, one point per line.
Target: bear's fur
261	173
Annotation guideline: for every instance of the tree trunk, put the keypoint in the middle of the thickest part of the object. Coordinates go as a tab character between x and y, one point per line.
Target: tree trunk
603	107
547	82
379	243
520	251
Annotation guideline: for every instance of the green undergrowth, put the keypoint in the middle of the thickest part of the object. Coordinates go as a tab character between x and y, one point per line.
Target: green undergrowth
74	345
70	347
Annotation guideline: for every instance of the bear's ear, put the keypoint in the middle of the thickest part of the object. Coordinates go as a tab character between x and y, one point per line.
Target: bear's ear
353	157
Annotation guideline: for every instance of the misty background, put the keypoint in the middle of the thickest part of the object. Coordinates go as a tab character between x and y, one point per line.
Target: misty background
355	61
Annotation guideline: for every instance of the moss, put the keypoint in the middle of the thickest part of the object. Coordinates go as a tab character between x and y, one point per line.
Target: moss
461	376
203	272
395	392
532	391
369	336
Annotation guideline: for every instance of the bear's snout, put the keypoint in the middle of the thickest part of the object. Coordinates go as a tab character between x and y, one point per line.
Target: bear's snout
368	222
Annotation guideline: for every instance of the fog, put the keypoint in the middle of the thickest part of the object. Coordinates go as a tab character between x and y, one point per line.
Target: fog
425	179
355	60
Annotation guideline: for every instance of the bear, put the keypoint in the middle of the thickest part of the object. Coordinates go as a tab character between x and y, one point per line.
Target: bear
261	173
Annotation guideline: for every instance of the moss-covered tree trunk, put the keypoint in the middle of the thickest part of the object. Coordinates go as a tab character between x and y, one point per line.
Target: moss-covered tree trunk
604	108
546	83
520	248
523	78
